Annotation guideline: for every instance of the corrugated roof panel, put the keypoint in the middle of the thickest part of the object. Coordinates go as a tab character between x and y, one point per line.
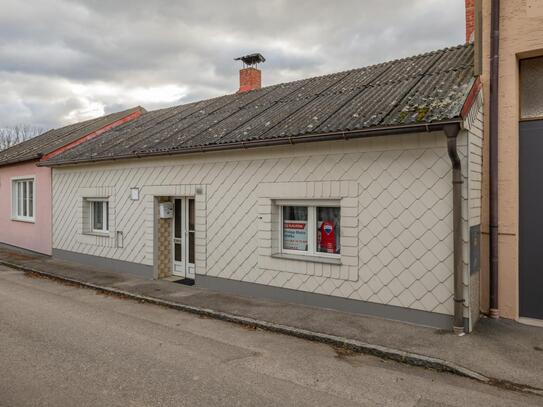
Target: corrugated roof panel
220	128
408	68
137	130
369	107
54	139
162	130
261	124
199	122
419	89
436	97
454	58
315	86
302	95
311	116
358	78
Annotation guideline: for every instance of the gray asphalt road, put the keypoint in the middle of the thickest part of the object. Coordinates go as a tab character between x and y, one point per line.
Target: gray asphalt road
62	345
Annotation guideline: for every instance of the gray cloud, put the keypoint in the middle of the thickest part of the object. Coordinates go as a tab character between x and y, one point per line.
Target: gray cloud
62	61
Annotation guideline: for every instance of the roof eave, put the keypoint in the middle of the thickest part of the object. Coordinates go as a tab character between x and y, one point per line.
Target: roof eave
306	138
21	161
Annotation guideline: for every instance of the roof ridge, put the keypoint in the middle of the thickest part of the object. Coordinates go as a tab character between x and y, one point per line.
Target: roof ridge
86	121
378	64
91	122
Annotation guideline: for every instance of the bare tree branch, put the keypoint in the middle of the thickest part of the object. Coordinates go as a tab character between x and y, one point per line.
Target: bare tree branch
9	136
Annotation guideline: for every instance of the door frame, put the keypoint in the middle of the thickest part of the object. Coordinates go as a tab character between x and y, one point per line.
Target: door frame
183	268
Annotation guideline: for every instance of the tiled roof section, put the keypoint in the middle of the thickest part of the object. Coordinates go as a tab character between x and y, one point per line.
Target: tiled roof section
426	88
54	139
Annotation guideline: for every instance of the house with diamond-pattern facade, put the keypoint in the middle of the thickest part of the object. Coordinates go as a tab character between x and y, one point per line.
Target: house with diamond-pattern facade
358	190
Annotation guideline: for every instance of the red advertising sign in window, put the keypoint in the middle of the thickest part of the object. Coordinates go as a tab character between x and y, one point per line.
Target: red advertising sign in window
295	235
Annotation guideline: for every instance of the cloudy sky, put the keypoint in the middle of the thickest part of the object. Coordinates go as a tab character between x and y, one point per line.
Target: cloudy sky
63	61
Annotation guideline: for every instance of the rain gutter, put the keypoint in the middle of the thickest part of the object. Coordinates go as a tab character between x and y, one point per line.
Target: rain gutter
306	138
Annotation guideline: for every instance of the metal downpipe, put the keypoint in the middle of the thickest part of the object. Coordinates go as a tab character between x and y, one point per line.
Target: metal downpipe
452	134
493	161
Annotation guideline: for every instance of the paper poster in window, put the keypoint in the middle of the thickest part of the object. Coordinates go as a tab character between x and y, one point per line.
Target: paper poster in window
295	235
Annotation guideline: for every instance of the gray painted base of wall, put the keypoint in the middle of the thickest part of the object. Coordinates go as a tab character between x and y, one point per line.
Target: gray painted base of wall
23	249
474	300
417	317
402	314
140	270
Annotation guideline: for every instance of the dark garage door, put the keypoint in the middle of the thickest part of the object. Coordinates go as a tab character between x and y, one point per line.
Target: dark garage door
531	219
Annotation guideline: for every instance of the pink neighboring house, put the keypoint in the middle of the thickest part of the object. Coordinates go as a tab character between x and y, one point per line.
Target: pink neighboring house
26	189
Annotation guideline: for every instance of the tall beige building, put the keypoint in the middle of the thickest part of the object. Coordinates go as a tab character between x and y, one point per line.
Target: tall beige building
520	148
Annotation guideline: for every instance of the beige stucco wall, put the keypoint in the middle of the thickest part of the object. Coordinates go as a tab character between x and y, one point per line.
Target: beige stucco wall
521	36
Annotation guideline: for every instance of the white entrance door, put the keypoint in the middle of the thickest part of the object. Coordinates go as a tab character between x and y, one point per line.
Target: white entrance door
183	237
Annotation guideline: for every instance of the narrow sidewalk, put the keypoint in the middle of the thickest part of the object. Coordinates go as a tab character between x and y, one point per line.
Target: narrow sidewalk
502	352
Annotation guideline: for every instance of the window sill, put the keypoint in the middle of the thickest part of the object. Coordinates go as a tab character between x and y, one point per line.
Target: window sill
309	258
23	220
100	234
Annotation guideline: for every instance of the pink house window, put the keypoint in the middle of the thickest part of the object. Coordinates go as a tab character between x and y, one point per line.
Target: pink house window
23	199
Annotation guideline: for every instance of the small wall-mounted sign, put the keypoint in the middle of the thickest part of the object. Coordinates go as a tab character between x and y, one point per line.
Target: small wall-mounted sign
135	194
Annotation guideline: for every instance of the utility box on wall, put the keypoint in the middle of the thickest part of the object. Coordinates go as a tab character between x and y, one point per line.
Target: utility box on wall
166	210
475	249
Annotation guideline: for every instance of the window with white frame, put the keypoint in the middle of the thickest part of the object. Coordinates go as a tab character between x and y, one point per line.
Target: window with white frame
23	199
310	229
99	215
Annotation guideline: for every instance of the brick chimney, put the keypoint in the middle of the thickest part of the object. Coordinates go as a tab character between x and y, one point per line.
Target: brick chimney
250	77
470	20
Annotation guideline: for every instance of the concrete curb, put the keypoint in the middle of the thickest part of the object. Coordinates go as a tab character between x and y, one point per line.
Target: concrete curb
410	358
